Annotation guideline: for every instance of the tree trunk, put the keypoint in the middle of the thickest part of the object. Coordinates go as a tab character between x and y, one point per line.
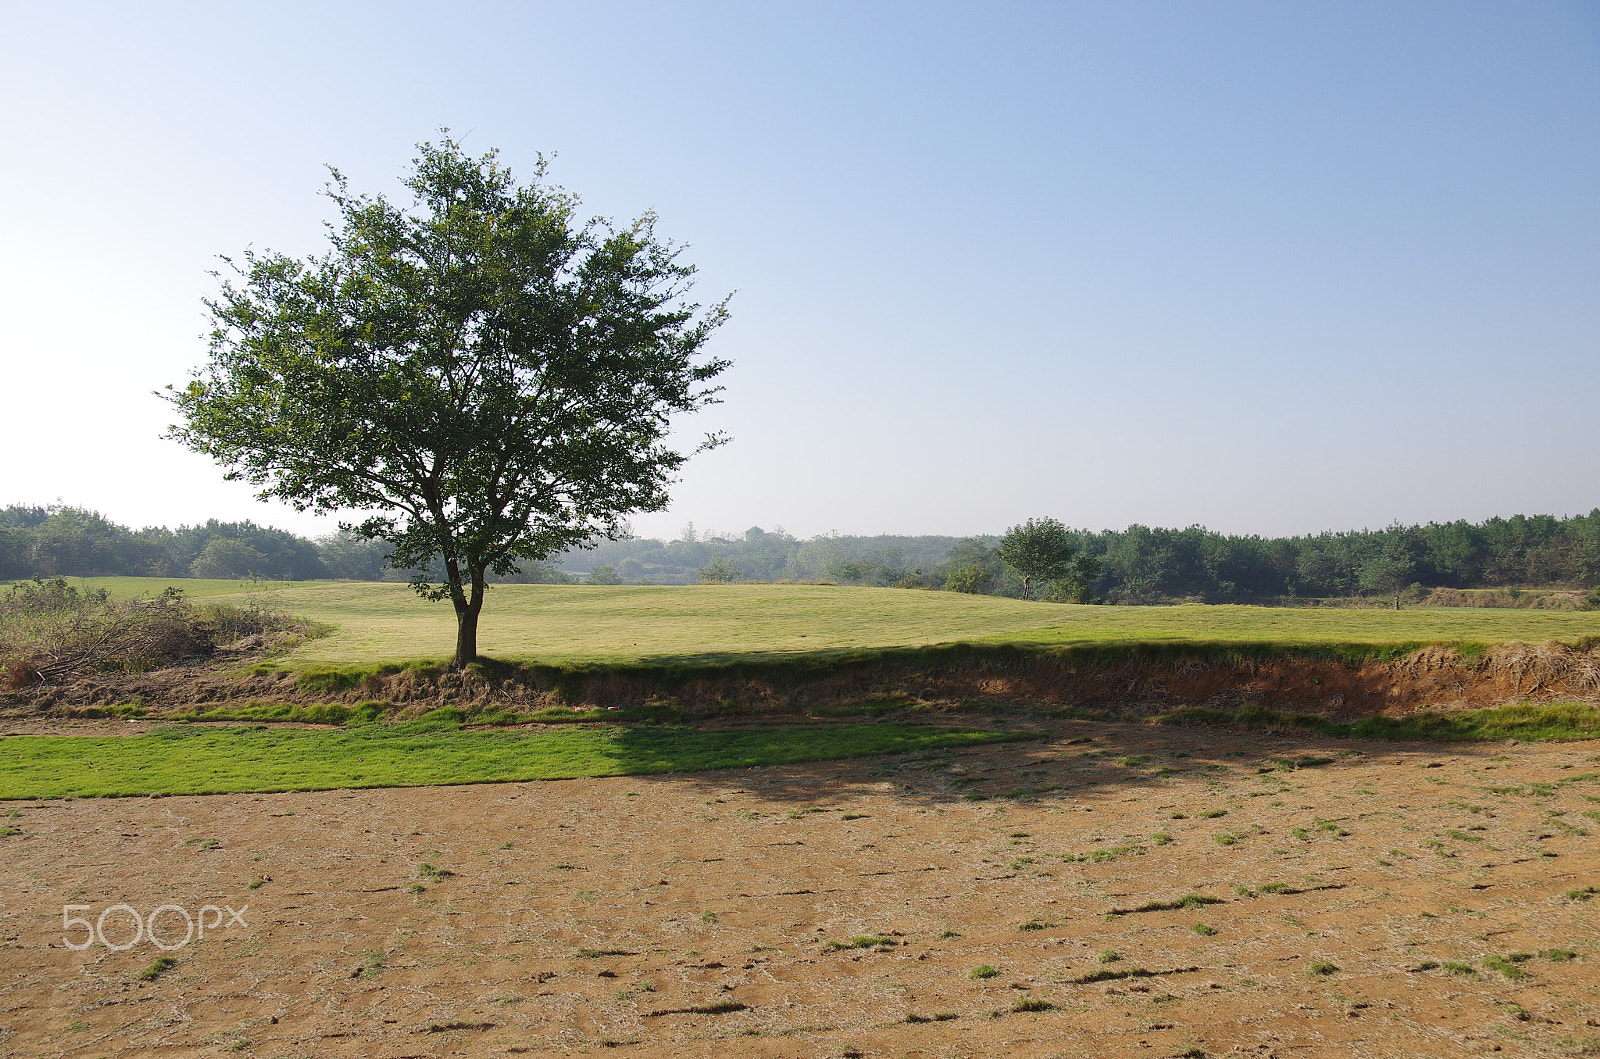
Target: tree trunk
1025	580
466	637
468	607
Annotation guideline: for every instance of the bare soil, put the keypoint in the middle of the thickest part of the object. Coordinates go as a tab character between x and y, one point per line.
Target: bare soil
1436	677
703	915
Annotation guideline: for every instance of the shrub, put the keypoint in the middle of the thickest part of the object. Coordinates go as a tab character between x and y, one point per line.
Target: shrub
50	630
967	579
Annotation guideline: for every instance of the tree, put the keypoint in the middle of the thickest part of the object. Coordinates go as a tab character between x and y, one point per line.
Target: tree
720	570
604	574
486	377
967	579
1387	574
1038	550
1077	584
227	558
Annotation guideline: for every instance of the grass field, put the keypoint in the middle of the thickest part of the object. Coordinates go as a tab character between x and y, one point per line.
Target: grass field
564	623
194	587
183	759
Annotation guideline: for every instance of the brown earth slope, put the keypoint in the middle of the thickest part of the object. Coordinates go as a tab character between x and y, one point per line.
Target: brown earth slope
1122	681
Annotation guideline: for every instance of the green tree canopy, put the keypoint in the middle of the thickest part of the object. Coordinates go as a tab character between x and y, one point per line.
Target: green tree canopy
1387	574
1038	550
488	378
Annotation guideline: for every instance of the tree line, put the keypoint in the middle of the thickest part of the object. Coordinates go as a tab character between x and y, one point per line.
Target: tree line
1139	564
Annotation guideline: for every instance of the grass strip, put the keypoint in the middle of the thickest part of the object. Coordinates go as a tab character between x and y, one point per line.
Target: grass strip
432	750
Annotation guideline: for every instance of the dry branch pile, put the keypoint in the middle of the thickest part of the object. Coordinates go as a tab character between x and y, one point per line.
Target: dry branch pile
50	631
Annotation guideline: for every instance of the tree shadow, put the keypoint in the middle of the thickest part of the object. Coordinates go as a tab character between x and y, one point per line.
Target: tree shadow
1060	762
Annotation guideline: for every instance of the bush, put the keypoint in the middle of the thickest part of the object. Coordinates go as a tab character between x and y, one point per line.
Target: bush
50	630
965	579
604	574
720	571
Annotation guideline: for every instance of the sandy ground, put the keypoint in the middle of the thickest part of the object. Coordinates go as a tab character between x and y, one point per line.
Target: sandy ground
593	916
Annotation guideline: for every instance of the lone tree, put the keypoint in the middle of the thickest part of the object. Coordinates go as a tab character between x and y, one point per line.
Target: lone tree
1041	550
490	378
1387	574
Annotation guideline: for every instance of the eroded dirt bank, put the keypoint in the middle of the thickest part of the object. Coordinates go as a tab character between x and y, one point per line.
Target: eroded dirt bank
1347	898
1133	682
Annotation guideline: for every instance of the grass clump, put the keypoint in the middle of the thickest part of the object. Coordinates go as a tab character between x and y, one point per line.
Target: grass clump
1033	1003
938	1016
161	966
1204	931
984	970
865	941
1105	856
720	1008
1112	975
1186	901
1322	967
1507	965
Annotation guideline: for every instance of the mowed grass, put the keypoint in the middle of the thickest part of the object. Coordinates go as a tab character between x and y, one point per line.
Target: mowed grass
194	587
378	623
196	759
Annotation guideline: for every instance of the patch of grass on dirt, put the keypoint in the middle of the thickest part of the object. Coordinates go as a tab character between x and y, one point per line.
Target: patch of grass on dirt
431	750
1507	965
161	966
721	1007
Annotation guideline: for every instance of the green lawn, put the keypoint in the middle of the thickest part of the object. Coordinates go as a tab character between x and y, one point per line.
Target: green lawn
134	587
575	623
205	759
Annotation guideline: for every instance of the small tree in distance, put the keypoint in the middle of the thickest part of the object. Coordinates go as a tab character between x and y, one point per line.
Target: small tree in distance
1387	574
490	379
721	570
1038	550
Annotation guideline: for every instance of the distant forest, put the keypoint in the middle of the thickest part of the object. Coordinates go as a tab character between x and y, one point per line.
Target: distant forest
1137	565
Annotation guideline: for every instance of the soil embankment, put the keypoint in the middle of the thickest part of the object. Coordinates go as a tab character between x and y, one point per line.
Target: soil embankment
1132	680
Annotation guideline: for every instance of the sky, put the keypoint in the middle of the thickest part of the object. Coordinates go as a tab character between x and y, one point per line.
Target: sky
1269	268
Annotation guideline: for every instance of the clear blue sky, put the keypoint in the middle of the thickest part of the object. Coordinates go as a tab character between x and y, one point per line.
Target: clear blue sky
1268	267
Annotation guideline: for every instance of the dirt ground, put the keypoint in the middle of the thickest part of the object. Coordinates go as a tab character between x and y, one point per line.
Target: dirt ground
1357	896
